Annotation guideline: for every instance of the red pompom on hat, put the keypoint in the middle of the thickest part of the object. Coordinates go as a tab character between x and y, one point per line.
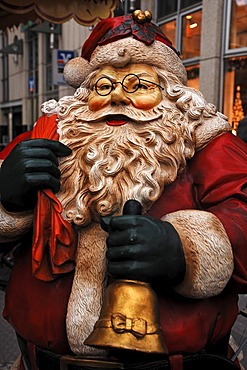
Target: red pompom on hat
130	38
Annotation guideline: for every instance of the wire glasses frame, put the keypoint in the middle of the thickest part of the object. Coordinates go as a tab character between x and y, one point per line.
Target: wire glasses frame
130	84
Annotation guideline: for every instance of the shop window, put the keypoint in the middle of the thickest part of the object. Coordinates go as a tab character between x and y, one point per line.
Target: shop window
238	25
235	90
33	75
51	42
169	30
193	76
191	35
188	3
4	136
183	28
5	68
32	62
166	7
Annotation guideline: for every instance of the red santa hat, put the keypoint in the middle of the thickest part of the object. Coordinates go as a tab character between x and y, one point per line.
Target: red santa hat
118	41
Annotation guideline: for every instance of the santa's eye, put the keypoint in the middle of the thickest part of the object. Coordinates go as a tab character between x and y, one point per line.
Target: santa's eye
141	87
103	86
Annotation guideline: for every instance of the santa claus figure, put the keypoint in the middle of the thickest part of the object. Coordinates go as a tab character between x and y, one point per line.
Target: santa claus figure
132	130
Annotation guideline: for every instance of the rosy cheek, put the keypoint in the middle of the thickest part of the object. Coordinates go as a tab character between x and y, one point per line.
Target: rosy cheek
146	102
96	103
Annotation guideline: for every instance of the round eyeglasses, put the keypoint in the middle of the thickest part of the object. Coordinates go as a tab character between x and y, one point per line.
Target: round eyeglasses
130	84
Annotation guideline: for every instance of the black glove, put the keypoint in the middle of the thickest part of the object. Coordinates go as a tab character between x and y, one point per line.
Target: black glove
143	248
32	165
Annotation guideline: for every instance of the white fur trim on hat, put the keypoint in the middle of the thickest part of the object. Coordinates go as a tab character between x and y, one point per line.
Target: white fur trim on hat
122	52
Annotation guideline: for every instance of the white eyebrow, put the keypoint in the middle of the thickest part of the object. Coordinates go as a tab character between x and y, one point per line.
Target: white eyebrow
143	74
107	76
147	76
139	74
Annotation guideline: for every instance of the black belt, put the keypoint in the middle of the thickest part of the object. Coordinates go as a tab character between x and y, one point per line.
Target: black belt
49	361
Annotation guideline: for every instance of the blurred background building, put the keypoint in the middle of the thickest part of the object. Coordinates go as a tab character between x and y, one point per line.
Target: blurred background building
211	36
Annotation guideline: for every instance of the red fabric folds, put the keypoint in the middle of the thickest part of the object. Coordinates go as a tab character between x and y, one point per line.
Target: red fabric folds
54	240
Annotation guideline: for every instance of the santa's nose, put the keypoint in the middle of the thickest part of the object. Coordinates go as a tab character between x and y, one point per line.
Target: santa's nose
119	96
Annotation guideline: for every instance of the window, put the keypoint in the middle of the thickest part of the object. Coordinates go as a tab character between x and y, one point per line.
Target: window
51	42
182	27
181	22
188	3
193	76
166	8
169	30
5	69
191	35
32	40
235	62
238	25
235	89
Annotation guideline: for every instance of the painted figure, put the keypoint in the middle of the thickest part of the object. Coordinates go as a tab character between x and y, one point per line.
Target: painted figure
133	130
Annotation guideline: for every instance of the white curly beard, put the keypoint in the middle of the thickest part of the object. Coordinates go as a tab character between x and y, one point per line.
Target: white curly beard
110	165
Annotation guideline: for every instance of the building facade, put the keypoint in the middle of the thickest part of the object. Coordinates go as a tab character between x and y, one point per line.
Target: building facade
211	36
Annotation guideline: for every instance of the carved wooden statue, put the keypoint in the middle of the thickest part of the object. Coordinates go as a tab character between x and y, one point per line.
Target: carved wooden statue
132	130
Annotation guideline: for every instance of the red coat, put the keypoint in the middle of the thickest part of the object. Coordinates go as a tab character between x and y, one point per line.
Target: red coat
212	182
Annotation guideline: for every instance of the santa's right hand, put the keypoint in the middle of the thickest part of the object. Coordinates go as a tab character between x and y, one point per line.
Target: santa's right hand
31	166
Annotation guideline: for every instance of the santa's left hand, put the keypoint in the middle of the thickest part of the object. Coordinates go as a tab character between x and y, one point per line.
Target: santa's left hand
144	248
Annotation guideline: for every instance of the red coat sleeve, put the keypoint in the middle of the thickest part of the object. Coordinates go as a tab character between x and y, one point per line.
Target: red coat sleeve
216	181
222	189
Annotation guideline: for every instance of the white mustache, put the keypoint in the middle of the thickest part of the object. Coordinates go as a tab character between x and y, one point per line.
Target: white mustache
132	113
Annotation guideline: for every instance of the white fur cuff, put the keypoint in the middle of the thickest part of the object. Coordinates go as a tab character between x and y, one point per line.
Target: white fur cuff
208	253
14	225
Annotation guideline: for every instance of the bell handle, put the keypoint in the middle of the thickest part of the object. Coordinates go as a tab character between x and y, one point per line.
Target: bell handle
132	207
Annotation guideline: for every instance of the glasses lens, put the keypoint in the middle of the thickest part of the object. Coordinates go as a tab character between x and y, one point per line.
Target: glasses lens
131	83
103	86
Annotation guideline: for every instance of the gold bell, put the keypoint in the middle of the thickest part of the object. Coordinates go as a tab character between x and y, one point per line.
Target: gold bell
129	319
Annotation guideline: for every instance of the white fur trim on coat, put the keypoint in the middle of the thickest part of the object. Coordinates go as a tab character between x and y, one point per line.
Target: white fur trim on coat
208	253
13	225
87	290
